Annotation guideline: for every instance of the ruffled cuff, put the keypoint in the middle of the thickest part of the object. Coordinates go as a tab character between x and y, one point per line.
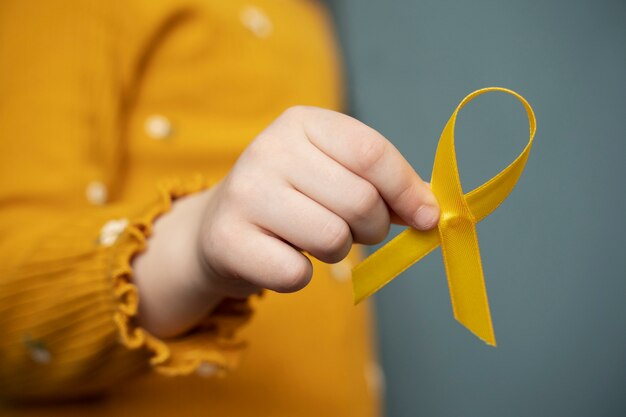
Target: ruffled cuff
212	347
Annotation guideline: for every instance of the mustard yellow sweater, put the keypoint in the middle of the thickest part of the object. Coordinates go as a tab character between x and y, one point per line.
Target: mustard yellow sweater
109	110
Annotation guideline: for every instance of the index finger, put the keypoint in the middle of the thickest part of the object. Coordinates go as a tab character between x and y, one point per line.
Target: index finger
370	155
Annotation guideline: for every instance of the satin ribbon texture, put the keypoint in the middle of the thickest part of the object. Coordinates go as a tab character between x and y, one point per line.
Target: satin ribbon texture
456	232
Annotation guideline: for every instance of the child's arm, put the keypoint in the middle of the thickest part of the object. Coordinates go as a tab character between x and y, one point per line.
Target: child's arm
67	302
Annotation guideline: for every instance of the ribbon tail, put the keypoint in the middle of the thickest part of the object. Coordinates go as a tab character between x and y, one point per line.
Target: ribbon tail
389	261
461	256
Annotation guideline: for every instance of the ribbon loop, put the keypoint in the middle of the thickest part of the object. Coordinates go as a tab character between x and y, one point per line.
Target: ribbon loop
456	232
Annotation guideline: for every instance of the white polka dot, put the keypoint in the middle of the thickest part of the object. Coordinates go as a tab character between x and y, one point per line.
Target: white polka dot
111	231
96	193
158	127
256	21
207	370
341	271
40	355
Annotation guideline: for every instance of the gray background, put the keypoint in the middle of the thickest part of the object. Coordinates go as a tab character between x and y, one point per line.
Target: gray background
553	253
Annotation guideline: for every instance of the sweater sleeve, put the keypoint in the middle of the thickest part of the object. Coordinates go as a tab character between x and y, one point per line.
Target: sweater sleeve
68	232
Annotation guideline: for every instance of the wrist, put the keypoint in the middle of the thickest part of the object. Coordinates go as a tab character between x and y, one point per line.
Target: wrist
173	288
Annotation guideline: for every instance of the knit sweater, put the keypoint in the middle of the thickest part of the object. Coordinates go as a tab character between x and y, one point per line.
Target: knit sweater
109	111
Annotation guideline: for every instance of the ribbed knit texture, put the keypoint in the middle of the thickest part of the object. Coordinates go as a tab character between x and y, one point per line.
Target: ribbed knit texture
75	300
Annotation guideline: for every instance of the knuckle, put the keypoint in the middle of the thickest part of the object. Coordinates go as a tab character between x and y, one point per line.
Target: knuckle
334	241
295	275
240	187
257	150
270	145
370	150
366	201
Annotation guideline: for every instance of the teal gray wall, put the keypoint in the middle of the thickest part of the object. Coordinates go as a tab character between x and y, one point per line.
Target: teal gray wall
554	252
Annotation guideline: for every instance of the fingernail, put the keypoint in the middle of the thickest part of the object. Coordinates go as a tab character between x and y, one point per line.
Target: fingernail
426	217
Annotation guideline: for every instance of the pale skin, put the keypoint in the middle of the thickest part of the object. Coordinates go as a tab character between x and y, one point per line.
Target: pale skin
313	181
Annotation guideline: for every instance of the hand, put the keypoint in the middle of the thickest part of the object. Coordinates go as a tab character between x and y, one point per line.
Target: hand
315	181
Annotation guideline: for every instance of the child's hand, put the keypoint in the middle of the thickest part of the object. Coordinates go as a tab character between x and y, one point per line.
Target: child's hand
315	181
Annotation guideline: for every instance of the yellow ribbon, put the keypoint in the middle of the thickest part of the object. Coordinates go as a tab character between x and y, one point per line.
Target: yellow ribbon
456	232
